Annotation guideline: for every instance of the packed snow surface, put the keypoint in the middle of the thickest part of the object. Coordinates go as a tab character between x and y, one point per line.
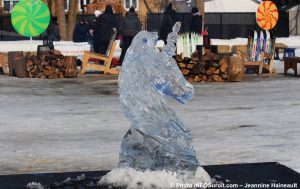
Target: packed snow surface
77	124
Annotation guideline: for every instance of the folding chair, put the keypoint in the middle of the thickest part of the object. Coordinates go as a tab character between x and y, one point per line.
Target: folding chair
266	60
107	58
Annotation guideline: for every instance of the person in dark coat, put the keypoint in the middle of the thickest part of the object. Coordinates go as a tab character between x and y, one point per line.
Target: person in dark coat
52	32
130	26
92	25
167	23
196	22
103	30
81	32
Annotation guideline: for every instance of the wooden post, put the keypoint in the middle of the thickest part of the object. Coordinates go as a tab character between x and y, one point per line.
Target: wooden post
70	67
73	8
1	7
16	63
52	8
4	63
60	13
236	69
150	6
200	6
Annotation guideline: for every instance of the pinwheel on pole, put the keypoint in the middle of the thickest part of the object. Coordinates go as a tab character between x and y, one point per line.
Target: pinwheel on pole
30	18
267	15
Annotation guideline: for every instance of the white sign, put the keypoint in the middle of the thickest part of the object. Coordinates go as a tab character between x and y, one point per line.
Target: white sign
69	48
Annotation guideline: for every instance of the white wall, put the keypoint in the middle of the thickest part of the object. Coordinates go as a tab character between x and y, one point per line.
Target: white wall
230	6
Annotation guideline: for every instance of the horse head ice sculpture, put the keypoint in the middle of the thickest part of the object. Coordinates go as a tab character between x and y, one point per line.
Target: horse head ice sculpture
157	138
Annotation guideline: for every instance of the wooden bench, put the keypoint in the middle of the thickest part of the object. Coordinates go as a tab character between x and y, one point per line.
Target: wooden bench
291	62
266	61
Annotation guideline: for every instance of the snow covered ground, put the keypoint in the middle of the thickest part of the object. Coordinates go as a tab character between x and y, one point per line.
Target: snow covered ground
77	124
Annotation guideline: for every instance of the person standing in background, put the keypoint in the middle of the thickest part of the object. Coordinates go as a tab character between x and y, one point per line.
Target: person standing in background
53	33
92	25
130	26
97	13
196	22
81	32
167	23
103	30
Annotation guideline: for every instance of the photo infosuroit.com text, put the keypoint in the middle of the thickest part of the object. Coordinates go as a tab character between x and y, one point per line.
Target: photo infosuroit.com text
232	185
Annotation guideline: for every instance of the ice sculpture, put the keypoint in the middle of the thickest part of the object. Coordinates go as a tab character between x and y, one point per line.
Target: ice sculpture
157	138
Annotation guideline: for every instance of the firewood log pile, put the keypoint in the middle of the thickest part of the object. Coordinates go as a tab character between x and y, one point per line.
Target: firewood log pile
50	65
211	67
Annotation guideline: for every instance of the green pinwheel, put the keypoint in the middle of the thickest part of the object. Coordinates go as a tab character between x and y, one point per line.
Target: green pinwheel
30	17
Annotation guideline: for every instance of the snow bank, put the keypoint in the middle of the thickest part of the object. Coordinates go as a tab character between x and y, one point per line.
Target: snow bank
23	45
31	46
153	179
292	41
6	46
34	185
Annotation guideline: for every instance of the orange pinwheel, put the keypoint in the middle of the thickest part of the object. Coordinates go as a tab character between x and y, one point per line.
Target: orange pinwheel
267	15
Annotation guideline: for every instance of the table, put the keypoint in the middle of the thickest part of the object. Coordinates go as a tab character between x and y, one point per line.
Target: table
291	62
287	52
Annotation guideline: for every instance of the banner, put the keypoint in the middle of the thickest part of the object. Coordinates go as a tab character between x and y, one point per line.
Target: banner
69	48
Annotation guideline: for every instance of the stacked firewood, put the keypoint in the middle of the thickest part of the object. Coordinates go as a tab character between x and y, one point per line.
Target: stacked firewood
51	65
206	68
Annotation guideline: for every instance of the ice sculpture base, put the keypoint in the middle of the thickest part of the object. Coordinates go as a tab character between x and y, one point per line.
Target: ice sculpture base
234	173
132	178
